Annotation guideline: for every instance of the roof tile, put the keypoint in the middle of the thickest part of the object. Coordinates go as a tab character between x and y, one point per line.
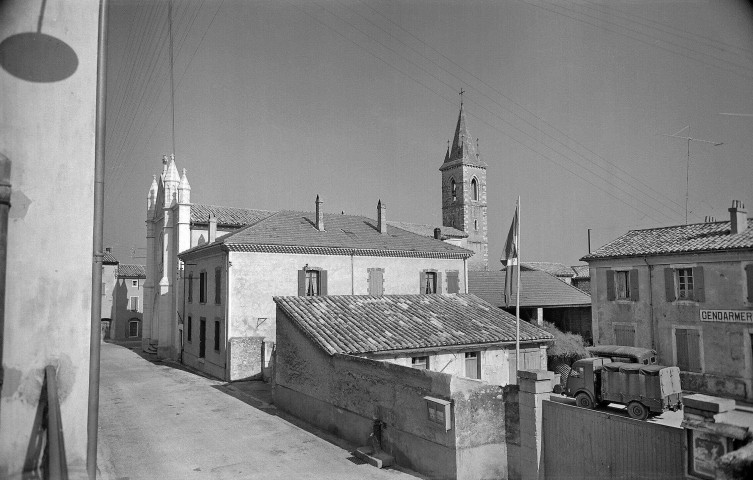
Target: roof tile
537	289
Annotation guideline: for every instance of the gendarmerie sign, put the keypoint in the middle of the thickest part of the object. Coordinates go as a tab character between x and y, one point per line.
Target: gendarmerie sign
741	316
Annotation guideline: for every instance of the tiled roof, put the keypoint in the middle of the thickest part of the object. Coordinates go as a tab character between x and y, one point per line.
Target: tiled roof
581	272
295	232
695	238
428	230
226	216
108	259
552	268
358	324
131	271
537	289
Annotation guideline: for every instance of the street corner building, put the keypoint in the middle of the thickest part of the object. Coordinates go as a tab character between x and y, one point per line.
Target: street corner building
687	292
429	375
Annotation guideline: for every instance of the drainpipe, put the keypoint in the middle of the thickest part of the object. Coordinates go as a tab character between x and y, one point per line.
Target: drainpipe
5	190
227	316
465	274
99	204
651	302
352	275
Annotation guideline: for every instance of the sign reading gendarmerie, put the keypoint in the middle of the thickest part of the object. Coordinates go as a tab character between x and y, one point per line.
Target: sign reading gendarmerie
743	316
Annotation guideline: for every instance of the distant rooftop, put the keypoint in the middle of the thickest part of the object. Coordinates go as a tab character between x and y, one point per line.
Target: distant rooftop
428	230
131	271
537	289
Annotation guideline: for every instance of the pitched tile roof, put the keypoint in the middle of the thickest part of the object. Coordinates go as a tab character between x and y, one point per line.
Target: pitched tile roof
131	271
428	230
295	232
537	289
695	238
581	271
552	268
226	216
357	324
463	149
109	259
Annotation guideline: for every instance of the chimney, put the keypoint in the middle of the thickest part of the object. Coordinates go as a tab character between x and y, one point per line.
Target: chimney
438	233
738	217
319	215
381	217
212	228
108	249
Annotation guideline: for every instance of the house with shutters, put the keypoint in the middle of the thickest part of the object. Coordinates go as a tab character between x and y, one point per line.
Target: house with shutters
687	292
128	302
229	312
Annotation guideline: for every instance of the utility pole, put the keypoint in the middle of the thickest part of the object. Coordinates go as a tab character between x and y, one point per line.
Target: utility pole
687	168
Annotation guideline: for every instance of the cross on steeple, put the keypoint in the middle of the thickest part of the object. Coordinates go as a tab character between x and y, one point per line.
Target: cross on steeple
461	96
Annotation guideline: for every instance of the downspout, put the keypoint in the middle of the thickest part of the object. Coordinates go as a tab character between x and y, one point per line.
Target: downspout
651	303
465	273
5	191
99	204
352	275
227	314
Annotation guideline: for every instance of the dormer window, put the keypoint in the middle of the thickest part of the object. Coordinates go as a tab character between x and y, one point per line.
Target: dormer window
474	189
454	190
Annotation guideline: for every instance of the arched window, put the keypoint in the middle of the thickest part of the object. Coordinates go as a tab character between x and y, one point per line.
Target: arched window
454	190
474	189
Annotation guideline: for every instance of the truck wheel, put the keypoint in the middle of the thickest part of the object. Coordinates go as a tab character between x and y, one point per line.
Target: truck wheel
584	400
637	410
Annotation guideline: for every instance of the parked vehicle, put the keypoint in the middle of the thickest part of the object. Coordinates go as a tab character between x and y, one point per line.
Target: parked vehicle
621	353
645	389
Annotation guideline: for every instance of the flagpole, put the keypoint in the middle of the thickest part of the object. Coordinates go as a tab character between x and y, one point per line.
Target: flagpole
517	301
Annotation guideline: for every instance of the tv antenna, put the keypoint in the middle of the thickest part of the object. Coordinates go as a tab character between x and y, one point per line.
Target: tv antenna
687	168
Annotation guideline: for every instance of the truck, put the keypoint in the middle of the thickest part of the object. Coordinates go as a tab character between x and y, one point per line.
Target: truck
644	389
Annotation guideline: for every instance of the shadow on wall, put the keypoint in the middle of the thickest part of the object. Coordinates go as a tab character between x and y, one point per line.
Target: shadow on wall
121	313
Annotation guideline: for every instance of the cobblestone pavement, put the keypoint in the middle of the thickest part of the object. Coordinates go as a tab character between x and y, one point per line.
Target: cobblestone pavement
160	421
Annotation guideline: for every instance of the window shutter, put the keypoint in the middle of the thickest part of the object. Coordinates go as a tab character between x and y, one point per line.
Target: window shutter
301	283
681	344
322	282
376	282
634	286
694	350
453	284
439	282
669	284
749	278
422	282
610	285
698	288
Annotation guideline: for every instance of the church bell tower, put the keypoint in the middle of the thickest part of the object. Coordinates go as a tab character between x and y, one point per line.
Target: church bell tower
464	192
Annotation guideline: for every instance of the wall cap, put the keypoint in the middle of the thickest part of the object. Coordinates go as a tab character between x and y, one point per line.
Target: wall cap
708	403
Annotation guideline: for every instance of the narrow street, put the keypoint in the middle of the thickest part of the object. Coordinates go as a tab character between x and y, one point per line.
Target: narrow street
157	421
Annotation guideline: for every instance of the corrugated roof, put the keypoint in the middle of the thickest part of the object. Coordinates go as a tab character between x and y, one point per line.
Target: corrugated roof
428	230
131	271
695	238
295	232
358	324
537	289
226	216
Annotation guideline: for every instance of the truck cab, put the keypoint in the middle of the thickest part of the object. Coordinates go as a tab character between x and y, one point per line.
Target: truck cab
584	381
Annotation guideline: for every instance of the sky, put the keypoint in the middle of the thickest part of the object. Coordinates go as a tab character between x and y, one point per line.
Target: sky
571	101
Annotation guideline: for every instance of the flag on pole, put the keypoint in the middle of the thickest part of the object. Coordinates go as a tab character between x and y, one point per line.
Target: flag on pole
511	252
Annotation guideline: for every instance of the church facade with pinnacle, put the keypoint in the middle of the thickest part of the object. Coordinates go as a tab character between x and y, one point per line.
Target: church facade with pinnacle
464	192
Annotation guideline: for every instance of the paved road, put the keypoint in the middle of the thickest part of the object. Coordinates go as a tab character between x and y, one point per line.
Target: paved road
160	422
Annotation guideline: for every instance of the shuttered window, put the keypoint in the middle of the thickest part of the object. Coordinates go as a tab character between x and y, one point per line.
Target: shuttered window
218	285
686	283
430	282
190	327
190	287
134	304
749	281
312	282
376	281
472	365
203	287
622	285
624	335
422	363
217	335
453	282
687	345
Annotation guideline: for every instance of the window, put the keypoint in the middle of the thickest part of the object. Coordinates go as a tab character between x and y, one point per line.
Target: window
134	283
475	224
749	281
439	412
218	285
312	282
687	346
429	282
472	365
624	335
133	328
376	281
453	282
454	190
203	287
190	327
133	304
190	287
474	189
104	289
421	363
684	283
202	337
217	335
622	285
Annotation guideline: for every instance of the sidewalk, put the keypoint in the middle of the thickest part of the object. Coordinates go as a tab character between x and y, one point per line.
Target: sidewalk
159	420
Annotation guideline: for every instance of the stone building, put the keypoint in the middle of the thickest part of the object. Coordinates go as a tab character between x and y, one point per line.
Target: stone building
128	302
229	314
687	292
464	192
